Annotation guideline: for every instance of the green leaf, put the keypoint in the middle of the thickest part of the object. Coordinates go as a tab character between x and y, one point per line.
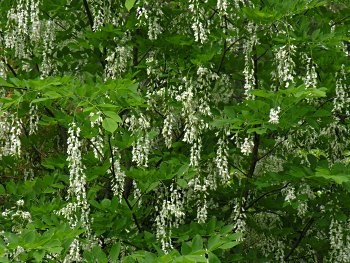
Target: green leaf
109	125
214	242
114	252
129	4
229	245
197	243
113	116
106	203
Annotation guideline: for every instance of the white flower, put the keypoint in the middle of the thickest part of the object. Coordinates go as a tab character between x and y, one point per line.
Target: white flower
20	202
247	146
274	115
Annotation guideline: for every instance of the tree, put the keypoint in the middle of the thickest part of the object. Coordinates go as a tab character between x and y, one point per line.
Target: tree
174	131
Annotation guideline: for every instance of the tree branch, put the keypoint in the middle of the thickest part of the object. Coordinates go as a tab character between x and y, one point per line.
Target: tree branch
266	194
88	13
302	235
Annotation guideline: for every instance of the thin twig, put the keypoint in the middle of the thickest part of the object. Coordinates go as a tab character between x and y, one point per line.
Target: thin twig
302	235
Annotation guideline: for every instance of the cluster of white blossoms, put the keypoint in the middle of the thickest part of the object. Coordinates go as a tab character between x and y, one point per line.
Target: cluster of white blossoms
3	73
18	216
239	217
247	146
23	29
310	78
168	128
198	194
97	142
119	175
221	160
195	100
205	78
285	66
271	246
150	14
341	102
118	60
339	241
33	119
289	193
170	214
305	190
248	72
222	5
200	25
142	147
274	115
48	65
77	211
10	132
101	13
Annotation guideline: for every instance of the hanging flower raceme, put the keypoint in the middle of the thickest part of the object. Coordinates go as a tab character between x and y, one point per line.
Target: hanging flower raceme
247	146
222	160
248	47
142	147
33	119
77	210
97	141
170	214
274	115
285	66
119	175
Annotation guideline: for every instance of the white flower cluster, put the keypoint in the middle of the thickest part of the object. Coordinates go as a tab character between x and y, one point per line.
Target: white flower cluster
16	38
150	14
49	37
285	66
77	210
152	65
33	119
222	160
141	150
341	101
142	147
310	78
195	100
200	29
249	76
3	73
18	217
34	18
247	146
15	133
170	214
289	193
23	27
199	192
117	61
204	80
222	5
339	242
101	13
274	115
168	128
239	218
137	193
195	155
10	132
119	179
97	141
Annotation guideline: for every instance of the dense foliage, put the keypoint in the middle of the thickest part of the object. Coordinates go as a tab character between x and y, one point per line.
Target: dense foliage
174	131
